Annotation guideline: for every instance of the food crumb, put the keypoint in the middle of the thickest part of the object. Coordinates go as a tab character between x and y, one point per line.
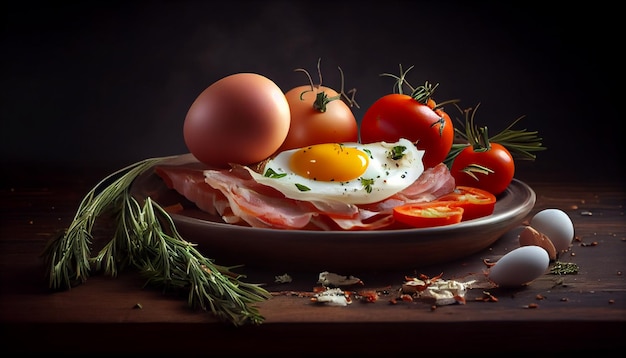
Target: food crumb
487	297
138	306
332	297
593	243
284	278
611	302
564	268
368	296
329	279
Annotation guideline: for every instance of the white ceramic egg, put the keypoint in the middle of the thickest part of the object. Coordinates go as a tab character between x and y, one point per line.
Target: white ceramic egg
350	173
556	225
519	267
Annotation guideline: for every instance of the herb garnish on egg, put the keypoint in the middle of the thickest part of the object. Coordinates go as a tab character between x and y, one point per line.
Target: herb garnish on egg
397	152
367	184
302	187
271	173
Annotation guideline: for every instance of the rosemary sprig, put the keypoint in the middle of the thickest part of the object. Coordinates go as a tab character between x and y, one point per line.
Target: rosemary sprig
68	255
146	238
520	143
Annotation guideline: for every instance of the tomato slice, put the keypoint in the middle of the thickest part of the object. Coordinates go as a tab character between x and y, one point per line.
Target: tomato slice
462	204
422	215
475	202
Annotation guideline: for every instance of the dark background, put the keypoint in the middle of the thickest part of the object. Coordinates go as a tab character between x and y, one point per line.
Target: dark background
105	84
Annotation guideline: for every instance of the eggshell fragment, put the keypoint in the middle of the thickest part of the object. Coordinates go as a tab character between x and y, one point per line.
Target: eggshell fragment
519	267
529	236
556	225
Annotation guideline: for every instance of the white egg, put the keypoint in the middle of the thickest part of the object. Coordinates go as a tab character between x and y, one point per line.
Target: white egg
556	225
519	267
351	173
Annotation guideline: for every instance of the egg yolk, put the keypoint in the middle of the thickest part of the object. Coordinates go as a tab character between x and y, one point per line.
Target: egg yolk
329	162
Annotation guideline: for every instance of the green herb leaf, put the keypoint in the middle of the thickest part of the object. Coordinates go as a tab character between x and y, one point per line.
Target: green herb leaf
271	173
302	187
367	184
397	152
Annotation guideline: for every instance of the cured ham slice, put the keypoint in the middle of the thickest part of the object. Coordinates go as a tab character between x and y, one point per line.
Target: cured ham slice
262	206
188	181
433	183
235	196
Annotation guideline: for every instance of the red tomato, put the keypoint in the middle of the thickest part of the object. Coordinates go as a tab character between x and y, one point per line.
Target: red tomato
242	118
396	116
491	169
476	203
318	115
422	215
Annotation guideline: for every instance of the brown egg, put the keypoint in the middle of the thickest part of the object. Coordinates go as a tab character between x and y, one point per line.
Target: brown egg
242	118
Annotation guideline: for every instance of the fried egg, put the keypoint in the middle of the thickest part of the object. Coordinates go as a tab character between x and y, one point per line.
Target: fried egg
351	173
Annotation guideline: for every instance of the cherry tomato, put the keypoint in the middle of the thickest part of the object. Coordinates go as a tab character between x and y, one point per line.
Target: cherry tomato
476	203
242	118
318	115
422	215
396	116
490	169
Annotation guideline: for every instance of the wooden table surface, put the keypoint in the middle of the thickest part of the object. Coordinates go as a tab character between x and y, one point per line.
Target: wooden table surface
556	313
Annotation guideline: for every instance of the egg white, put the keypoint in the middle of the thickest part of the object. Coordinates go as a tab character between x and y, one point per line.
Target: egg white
383	177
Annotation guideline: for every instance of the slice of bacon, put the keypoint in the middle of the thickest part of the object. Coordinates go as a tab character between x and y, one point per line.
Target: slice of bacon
188	181
433	183
239	199
262	206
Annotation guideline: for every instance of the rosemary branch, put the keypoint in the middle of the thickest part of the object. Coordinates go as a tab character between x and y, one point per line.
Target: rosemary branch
146	238
520	142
